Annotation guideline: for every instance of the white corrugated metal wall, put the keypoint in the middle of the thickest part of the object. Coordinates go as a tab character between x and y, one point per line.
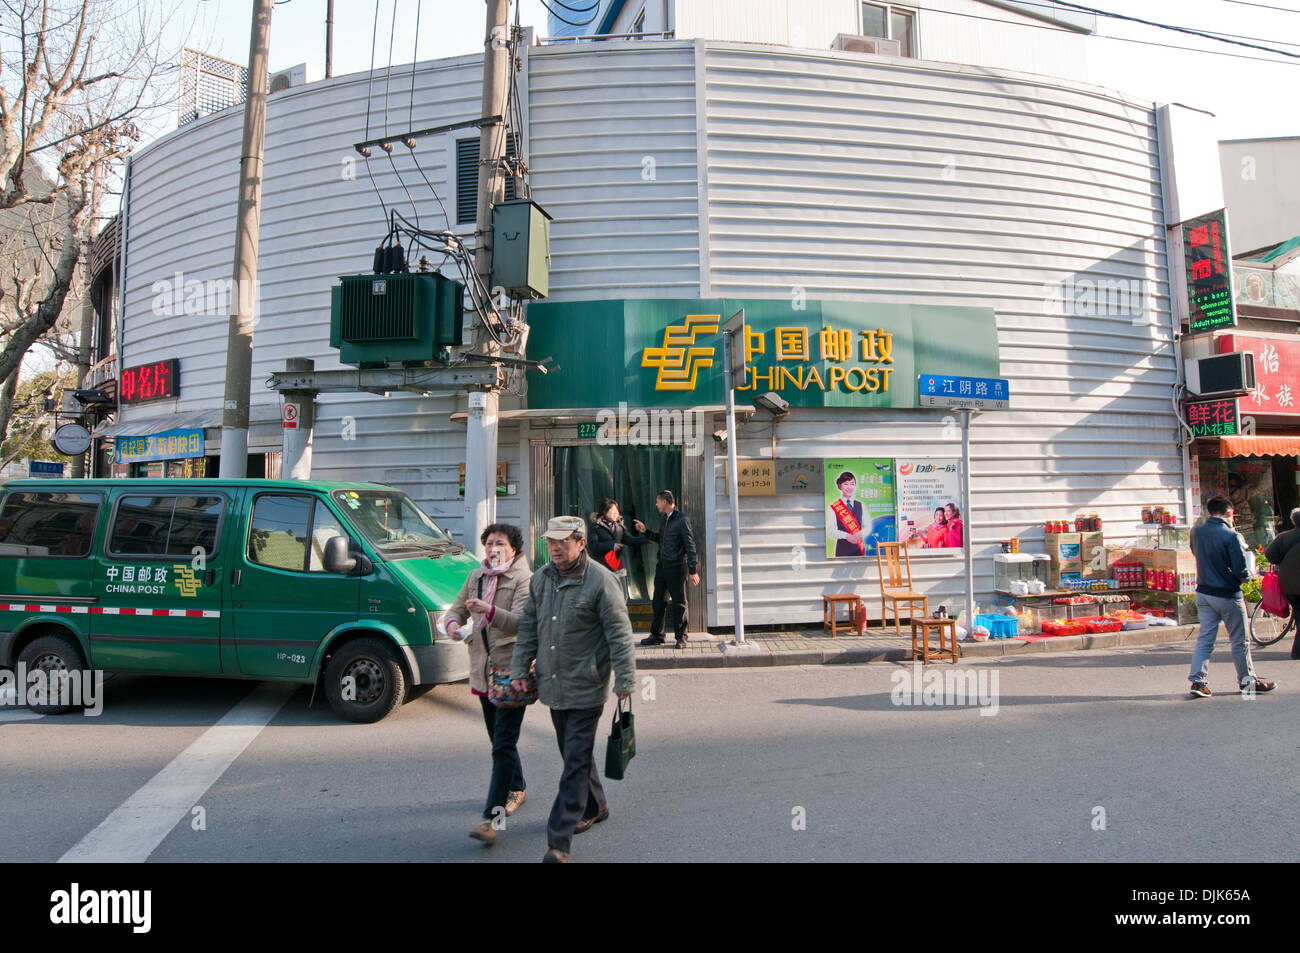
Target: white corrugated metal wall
321	218
855	179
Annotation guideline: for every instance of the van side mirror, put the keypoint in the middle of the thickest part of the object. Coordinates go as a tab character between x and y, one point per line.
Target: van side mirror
339	560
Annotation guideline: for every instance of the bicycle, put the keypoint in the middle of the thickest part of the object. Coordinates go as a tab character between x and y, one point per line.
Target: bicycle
1265	629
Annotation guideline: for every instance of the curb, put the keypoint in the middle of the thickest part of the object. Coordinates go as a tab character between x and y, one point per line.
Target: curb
760	657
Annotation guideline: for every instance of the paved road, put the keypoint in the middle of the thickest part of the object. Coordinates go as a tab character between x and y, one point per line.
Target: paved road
729	763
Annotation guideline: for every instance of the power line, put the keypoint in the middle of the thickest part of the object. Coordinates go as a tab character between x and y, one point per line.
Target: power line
557	16
1163	26
1262	6
1119	39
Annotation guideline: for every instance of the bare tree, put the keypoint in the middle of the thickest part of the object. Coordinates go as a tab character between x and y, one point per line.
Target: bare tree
77	78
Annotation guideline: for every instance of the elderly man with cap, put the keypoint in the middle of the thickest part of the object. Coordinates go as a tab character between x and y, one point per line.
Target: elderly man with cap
575	625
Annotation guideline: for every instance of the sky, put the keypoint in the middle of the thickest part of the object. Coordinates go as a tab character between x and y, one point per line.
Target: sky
1249	98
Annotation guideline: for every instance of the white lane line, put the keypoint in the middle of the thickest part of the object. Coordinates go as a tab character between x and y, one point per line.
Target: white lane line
133	831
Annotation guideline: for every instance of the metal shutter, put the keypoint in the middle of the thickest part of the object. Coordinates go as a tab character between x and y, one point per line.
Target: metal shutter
467	177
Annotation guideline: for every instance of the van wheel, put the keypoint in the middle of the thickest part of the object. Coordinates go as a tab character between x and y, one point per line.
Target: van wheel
364	681
50	654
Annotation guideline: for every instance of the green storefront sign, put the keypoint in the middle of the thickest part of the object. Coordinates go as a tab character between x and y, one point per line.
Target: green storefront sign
668	352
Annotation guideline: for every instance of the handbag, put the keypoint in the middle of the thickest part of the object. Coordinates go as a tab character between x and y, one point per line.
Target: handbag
613	561
621	747
503	695
1275	601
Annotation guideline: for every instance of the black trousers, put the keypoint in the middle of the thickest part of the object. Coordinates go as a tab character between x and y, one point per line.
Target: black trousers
580	795
503	725
1295	632
670	583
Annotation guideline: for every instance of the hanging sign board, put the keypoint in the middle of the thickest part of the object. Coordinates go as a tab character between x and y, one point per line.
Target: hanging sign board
963	393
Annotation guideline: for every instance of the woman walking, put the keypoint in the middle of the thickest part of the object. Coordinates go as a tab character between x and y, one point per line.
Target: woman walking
1284	553
494	596
608	537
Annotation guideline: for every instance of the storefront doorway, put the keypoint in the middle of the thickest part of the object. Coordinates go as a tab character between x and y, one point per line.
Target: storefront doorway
572	477
1262	491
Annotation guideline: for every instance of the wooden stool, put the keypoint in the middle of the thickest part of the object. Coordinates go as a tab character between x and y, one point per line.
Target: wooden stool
941	626
857	612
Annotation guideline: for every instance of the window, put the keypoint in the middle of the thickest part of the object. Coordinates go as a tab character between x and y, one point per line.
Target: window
638	26
891	23
392	522
290	532
48	524
166	525
467	151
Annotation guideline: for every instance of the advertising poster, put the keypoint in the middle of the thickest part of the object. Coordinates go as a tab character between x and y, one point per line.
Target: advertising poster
859	506
929	503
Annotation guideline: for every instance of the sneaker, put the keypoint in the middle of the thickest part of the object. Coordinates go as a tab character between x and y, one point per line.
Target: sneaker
586	823
1261	686
679	644
484	831
1200	690
514	802
555	856
651	640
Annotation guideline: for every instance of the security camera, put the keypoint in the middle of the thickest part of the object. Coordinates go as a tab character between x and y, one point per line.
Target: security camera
720	436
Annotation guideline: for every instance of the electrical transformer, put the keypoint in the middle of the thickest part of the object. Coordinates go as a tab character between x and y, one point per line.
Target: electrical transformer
403	318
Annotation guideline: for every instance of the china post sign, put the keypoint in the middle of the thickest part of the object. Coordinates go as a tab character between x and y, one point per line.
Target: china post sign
813	353
168	445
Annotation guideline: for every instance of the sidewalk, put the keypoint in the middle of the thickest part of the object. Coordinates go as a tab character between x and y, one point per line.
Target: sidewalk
812	647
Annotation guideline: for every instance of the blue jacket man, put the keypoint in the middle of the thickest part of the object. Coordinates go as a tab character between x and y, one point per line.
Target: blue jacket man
1220	570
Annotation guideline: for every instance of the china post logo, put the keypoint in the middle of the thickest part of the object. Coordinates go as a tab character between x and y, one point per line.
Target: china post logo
679	360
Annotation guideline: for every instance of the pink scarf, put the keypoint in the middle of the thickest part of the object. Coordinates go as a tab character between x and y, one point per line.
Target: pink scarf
489	584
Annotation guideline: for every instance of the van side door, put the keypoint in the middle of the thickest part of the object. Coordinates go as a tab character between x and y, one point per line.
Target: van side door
283	602
159	587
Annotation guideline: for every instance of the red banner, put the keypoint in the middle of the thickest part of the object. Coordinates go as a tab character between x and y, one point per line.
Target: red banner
1277	374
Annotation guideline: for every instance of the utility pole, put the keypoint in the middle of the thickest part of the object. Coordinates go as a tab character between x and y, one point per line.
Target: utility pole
481	427
239	343
84	350
329	38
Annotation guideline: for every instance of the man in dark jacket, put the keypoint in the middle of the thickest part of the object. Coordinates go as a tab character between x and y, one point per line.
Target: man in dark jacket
1220	570
1284	553
575	625
678	562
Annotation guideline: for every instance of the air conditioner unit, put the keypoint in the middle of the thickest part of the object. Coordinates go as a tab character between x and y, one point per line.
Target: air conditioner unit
852	43
1224	375
286	78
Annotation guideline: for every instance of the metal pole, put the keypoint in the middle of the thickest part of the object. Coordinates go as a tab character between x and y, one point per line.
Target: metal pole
239	341
481	426
296	439
965	511
329	38
733	493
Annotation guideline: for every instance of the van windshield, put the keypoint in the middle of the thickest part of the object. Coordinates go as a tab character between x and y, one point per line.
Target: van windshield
393	523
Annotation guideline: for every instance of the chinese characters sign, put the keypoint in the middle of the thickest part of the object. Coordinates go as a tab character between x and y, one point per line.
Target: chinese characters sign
755	477
1277	373
669	353
1209	274
929	503
168	445
859	506
149	381
971	393
1213	418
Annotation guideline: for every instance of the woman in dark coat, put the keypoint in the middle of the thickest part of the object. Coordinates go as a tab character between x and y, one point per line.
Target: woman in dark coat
609	535
1284	553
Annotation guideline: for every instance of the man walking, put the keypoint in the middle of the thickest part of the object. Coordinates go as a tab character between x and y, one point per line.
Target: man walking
678	562
575	625
1220	571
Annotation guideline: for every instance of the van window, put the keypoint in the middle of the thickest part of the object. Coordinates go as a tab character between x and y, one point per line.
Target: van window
159	525
48	524
290	532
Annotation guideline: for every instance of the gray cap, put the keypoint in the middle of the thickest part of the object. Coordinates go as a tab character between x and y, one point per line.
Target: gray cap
562	527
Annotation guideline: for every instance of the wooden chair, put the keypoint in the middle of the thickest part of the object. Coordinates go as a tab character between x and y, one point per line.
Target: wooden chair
896	583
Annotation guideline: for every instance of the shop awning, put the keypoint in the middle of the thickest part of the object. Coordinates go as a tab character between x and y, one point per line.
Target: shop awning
1285	446
193	420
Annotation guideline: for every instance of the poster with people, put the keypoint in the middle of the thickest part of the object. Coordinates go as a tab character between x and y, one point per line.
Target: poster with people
859	506
929	504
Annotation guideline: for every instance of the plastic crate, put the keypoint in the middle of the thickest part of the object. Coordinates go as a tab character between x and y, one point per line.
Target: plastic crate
1101	624
999	626
1064	627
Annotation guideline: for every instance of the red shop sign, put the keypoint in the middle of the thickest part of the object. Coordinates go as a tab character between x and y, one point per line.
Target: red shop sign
1277	374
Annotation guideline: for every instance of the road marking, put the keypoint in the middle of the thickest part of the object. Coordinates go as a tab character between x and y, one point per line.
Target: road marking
133	831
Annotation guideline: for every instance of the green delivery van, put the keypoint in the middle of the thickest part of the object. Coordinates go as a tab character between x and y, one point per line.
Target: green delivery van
259	579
